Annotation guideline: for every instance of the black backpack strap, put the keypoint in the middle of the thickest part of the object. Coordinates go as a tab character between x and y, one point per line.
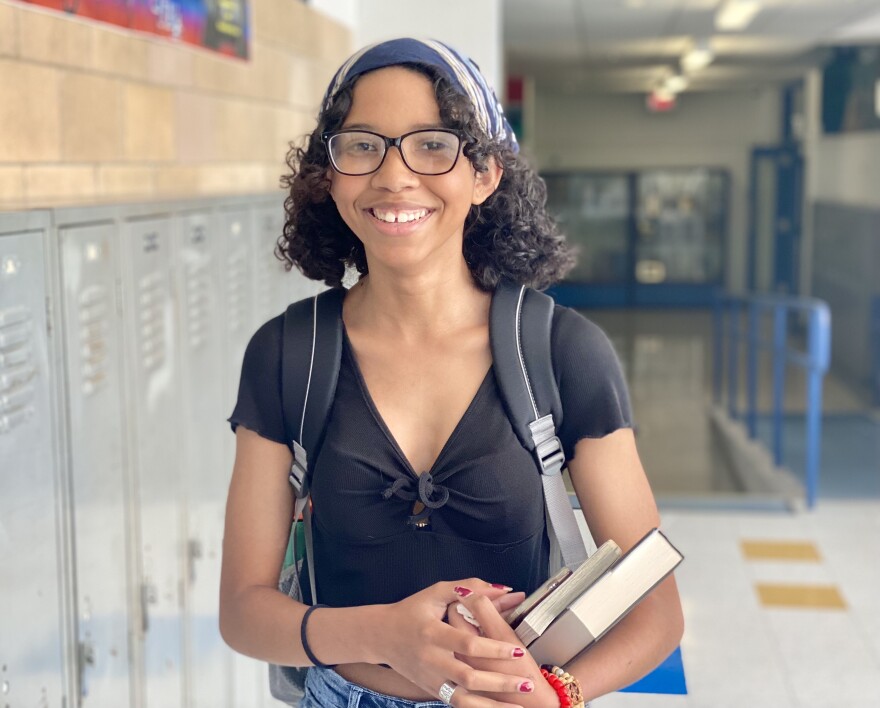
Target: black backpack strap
520	327
311	356
311	353
520	332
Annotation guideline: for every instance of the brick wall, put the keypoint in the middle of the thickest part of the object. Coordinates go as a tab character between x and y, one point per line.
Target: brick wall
91	113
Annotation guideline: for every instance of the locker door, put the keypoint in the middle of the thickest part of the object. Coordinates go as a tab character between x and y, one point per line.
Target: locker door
271	278
31	663
201	402
237	297
98	481
237	275
157	464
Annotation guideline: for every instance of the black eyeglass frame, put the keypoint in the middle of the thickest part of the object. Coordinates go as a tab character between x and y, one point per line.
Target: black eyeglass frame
392	142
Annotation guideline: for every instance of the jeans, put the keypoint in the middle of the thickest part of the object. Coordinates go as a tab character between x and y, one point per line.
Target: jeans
327	689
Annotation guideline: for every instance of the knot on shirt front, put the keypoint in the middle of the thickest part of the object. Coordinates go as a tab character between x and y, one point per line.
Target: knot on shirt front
432	495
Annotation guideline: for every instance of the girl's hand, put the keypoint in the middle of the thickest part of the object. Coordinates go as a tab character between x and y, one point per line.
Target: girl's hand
489	615
414	640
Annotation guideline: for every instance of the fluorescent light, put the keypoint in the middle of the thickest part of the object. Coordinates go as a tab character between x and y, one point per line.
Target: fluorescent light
697	58
676	83
736	15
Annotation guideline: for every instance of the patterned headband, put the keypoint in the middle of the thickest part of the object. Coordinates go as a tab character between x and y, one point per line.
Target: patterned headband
462	72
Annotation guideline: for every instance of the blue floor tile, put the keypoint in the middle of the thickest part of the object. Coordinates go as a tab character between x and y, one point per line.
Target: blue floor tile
666	678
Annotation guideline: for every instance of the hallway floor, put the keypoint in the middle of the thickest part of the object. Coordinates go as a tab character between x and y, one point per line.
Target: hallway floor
780	605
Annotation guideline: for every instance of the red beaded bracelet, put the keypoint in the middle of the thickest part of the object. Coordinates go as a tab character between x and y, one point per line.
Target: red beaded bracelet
559	687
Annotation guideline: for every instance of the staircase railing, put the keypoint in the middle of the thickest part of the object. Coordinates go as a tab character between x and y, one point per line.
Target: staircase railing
744	327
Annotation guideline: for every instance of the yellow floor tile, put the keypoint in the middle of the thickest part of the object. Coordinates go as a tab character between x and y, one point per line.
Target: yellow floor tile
826	597
780	550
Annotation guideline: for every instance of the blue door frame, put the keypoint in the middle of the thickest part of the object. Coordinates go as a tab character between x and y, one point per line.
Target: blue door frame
789	177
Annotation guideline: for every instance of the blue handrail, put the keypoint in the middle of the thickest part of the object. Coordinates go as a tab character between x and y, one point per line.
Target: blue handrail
744	321
875	349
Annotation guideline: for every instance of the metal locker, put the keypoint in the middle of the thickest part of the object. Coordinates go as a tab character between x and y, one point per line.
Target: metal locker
31	650
239	323
201	404
236	277
279	287
157	465
270	298
96	465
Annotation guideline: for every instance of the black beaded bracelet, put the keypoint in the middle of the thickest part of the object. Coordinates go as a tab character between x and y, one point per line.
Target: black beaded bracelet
305	641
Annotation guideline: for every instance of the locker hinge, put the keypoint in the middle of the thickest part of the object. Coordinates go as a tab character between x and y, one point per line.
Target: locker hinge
48	316
119	297
85	658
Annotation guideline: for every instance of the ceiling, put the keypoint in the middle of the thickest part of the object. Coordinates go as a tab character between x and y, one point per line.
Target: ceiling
632	45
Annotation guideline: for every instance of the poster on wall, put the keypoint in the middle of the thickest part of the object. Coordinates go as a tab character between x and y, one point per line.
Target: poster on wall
219	25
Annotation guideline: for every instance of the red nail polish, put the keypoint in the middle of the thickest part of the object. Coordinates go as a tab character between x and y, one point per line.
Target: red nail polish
462	591
502	587
518	653
526	687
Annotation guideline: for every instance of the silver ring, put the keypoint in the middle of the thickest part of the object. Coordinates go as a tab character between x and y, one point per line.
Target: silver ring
446	691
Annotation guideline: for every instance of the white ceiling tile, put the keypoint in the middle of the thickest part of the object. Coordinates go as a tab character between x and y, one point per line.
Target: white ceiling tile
620	40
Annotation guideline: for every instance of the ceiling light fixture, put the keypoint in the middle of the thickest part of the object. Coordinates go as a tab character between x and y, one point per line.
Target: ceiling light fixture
697	58
676	83
736	15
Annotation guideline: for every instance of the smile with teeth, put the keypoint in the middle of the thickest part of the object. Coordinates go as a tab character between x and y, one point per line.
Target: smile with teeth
399	217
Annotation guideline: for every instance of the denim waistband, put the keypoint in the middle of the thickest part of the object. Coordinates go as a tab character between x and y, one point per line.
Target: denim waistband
327	689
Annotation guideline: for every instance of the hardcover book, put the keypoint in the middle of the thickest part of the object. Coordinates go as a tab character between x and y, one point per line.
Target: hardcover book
585	604
537	611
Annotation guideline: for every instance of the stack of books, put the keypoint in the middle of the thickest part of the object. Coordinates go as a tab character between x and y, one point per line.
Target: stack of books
575	608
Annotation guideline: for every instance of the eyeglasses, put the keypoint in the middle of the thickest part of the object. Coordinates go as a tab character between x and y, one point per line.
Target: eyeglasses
361	152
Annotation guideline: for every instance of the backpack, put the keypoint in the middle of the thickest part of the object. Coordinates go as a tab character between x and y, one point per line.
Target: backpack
520	323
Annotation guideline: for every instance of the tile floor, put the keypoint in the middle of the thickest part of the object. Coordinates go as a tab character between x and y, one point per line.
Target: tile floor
781	607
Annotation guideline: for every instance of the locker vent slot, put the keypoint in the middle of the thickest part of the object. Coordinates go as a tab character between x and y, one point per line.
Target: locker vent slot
198	299
236	286
18	369
94	318
152	296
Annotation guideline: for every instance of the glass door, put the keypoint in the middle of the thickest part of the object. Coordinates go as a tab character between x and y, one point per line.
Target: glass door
681	217
654	237
594	212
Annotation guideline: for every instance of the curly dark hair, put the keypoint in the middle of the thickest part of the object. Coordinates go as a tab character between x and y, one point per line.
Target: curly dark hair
510	235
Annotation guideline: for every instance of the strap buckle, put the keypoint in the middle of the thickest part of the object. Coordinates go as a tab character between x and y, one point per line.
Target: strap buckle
298	476
548	447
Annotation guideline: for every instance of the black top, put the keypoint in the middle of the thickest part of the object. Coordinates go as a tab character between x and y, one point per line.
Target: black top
484	512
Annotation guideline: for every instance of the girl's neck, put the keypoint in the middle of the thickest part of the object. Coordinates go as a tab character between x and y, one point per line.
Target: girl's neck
417	306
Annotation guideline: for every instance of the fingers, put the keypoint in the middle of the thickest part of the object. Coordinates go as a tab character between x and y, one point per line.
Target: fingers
502	605
461	617
477	701
491	623
506	603
471	680
491	682
456	621
460	589
473	646
474	681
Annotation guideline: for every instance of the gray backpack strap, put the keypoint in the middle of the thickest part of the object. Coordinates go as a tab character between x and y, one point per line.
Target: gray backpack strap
520	328
311	356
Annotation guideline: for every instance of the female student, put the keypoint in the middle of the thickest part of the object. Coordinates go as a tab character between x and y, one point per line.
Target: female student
422	495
